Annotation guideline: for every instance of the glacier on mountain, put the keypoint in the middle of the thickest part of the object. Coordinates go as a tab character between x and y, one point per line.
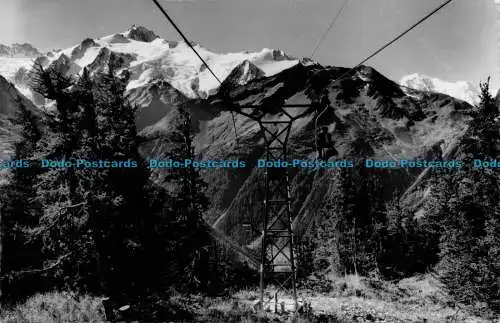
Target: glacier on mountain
149	57
461	90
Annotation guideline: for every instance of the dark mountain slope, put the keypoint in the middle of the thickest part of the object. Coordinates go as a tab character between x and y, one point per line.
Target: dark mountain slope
368	109
10	99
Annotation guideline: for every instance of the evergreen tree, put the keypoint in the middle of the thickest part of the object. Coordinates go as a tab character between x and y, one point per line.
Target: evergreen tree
116	198
465	211
62	220
408	246
189	202
95	220
467	246
484	126
105	229
348	236
20	214
326	258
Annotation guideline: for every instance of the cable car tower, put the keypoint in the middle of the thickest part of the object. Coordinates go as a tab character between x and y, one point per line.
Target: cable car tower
278	263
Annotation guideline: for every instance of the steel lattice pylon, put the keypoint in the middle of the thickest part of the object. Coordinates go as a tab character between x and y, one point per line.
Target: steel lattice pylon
277	254
277	244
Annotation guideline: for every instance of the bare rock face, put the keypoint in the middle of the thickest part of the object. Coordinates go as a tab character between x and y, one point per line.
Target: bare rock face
307	61
100	61
21	76
52	53
241	75
244	73
142	34
42	60
172	43
119	39
65	65
154	101
106	56
121	60
80	50
279	55
10	99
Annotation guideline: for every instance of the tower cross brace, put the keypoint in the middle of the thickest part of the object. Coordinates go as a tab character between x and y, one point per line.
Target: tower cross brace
277	263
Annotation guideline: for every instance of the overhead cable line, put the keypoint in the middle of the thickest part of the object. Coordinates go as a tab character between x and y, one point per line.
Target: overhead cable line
395	39
327	31
186	40
401	35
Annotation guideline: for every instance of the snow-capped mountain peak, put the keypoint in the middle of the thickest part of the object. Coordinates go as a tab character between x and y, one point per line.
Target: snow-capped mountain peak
244	73
19	51
141	33
461	90
159	72
146	56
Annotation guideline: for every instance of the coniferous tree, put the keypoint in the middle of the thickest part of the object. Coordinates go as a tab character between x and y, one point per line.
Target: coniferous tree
116	198
57	187
104	229
364	212
408	246
95	218
348	236
326	256
466	249
20	214
465	211
189	203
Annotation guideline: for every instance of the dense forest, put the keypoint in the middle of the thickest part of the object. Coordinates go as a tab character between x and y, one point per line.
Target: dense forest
106	231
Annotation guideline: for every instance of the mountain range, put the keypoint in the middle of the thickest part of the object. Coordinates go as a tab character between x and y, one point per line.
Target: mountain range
150	59
160	71
390	121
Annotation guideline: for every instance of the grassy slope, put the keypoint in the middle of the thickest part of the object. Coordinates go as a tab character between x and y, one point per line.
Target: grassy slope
55	307
358	299
342	299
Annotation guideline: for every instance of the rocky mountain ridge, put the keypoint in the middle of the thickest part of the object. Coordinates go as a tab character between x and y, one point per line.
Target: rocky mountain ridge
374	118
148	60
19	50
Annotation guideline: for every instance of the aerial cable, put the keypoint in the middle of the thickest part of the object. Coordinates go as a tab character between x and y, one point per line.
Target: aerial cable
395	39
401	35
186	40
327	31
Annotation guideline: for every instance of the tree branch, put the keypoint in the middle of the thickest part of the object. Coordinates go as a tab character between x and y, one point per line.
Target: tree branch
37	233
35	271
